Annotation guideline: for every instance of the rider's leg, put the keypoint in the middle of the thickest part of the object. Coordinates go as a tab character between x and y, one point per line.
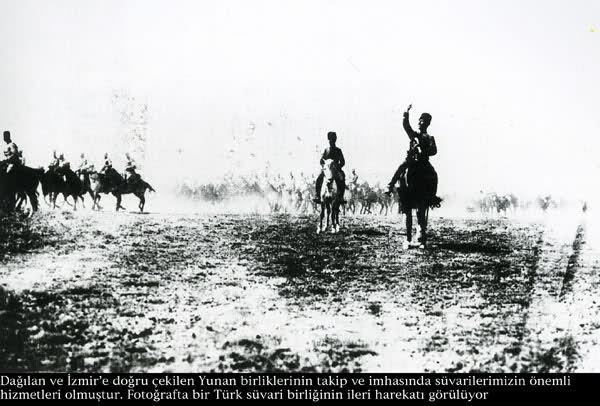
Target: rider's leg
422	221
317	199
342	185
396	176
408	215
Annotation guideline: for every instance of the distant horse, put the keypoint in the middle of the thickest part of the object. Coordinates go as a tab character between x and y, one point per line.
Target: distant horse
350	198
273	197
418	188
331	197
84	177
52	184
20	181
72	186
112	182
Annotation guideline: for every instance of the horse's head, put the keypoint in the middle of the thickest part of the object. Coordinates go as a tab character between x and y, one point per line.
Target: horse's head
330	169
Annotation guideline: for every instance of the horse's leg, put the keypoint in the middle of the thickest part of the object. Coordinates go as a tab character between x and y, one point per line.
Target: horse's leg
65	197
19	201
320	227
408	228
118	196
33	199
421	220
142	201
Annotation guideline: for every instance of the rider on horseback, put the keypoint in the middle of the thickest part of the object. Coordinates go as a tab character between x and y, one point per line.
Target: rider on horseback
55	163
354	180
63	163
107	164
84	166
335	153
422	146
130	169
11	154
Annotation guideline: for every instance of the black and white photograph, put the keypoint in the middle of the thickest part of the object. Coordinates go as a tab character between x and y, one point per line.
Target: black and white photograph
299	186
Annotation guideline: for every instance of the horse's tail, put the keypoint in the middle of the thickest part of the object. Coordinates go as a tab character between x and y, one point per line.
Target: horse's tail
435	202
150	188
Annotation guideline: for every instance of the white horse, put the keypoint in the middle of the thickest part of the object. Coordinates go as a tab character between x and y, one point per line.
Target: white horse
331	197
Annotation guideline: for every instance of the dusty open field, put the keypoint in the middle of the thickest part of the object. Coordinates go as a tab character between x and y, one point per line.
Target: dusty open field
191	292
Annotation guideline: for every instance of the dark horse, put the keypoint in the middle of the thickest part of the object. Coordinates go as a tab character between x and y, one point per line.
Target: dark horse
62	181
418	188
19	181
72	186
112	182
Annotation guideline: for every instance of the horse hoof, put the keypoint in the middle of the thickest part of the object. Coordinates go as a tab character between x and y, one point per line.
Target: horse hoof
318	230
406	245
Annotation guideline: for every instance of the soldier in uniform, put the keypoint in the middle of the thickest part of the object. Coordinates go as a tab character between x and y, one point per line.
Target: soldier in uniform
84	169
130	167
422	146
12	156
354	179
107	164
335	153
63	163
84	166
55	163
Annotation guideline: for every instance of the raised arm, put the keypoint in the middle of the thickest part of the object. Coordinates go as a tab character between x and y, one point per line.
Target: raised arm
406	124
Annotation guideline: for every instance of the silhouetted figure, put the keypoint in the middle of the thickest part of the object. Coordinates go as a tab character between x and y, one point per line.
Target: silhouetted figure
422	146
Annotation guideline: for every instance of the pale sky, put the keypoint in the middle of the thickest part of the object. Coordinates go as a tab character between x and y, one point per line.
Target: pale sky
511	85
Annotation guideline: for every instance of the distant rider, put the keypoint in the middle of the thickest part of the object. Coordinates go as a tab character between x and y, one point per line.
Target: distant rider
12	156
63	163
130	167
107	164
335	153
84	166
55	163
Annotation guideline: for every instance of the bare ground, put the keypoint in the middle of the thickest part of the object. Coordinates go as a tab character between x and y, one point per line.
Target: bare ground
182	292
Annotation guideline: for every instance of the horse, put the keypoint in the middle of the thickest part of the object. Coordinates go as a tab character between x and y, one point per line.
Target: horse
350	198
418	188
61	181
84	177
112	182
19	182
72	186
331	197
